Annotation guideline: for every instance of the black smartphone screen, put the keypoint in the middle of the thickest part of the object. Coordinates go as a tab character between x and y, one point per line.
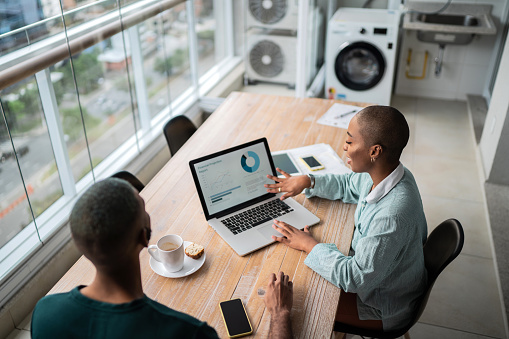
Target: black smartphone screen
235	317
311	161
284	162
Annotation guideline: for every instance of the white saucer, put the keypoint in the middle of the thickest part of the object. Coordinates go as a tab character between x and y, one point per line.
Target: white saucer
190	265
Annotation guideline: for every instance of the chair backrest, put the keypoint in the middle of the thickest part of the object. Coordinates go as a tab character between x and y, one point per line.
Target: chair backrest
130	178
444	244
177	131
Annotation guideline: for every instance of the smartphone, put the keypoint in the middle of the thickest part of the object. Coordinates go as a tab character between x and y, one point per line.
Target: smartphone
283	161
235	318
312	163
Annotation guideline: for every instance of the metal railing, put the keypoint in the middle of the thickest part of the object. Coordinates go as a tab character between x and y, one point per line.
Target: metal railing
39	61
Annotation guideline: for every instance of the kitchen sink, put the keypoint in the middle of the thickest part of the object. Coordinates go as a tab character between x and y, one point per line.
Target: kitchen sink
446	37
447	19
455	25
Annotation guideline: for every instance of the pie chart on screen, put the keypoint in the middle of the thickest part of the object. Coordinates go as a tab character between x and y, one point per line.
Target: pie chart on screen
250	161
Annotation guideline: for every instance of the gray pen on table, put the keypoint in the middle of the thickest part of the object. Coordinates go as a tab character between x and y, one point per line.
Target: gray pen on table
345	114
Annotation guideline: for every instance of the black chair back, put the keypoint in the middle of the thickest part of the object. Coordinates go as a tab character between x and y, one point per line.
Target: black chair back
443	245
177	131
130	178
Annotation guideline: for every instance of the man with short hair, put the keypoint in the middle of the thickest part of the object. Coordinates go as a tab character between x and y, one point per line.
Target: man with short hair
110	227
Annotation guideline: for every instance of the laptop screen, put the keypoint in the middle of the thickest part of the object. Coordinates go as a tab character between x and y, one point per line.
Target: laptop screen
233	179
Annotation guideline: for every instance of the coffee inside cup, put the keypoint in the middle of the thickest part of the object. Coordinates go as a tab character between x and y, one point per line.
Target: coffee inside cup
168	246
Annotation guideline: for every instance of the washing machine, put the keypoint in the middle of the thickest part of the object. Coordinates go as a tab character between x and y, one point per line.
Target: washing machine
361	54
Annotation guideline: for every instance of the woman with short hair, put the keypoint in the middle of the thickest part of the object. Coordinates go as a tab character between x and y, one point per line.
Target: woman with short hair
384	273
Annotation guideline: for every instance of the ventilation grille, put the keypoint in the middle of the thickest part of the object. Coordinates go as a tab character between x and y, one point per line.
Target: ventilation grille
266	59
268	11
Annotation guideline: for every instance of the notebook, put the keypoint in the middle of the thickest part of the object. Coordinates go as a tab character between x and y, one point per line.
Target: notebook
235	202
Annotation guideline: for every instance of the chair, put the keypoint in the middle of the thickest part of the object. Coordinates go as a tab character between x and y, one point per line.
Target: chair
177	131
130	178
444	244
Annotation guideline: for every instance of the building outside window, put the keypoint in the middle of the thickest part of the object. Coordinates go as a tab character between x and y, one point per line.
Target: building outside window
28	133
97	102
166	63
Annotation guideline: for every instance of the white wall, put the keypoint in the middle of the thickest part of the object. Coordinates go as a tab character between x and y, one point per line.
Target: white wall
466	69
494	142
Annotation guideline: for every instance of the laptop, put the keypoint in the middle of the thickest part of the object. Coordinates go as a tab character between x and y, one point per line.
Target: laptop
235	202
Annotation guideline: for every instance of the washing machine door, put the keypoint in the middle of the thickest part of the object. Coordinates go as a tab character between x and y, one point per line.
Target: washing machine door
359	66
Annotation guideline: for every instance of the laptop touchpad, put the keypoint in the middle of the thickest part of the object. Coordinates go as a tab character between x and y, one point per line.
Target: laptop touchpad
268	231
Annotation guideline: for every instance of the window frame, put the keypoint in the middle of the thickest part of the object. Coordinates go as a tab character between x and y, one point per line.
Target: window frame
19	262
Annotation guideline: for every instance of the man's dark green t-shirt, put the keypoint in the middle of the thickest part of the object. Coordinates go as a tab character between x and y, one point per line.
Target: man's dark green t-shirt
72	315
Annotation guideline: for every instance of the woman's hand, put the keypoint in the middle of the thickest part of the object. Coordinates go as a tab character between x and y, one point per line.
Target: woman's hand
293	237
289	184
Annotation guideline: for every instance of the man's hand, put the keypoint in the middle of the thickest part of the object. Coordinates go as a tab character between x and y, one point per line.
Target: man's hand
279	300
293	237
292	185
279	295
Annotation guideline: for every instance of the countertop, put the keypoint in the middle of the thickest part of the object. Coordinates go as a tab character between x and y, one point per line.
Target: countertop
486	25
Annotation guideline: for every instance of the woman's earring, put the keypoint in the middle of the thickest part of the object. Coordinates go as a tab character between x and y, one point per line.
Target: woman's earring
372	159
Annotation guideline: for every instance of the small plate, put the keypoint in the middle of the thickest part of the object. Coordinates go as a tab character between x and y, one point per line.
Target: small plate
190	265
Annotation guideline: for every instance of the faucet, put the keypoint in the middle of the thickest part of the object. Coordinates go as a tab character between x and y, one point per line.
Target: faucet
439	59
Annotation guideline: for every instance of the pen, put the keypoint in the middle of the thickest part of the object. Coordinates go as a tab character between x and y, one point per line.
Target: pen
347	113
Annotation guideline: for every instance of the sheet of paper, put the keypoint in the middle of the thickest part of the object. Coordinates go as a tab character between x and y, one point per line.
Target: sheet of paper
324	153
339	115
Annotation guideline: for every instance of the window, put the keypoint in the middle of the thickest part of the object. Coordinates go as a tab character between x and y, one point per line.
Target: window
105	81
27	162
208	54
166	63
29	182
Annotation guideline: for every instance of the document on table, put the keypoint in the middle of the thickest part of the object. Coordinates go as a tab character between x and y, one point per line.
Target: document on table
324	153
339	115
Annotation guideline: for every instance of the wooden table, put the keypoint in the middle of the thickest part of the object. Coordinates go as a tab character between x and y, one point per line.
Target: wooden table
173	204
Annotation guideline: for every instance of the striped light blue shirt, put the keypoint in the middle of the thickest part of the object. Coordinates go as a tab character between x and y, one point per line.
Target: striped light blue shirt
385	266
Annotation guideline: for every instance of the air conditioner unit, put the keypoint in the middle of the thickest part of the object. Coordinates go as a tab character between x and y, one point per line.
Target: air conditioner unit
274	14
272	55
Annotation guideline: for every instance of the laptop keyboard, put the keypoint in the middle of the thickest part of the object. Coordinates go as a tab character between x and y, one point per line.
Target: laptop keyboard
256	216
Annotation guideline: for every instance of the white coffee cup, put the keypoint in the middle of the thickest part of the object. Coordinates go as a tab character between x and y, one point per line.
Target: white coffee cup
169	251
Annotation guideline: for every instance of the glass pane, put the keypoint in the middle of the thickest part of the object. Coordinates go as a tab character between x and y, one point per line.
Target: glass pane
165	44
69	109
176	45
361	66
125	3
155	70
239	29
210	51
101	77
23	23
25	118
78	12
